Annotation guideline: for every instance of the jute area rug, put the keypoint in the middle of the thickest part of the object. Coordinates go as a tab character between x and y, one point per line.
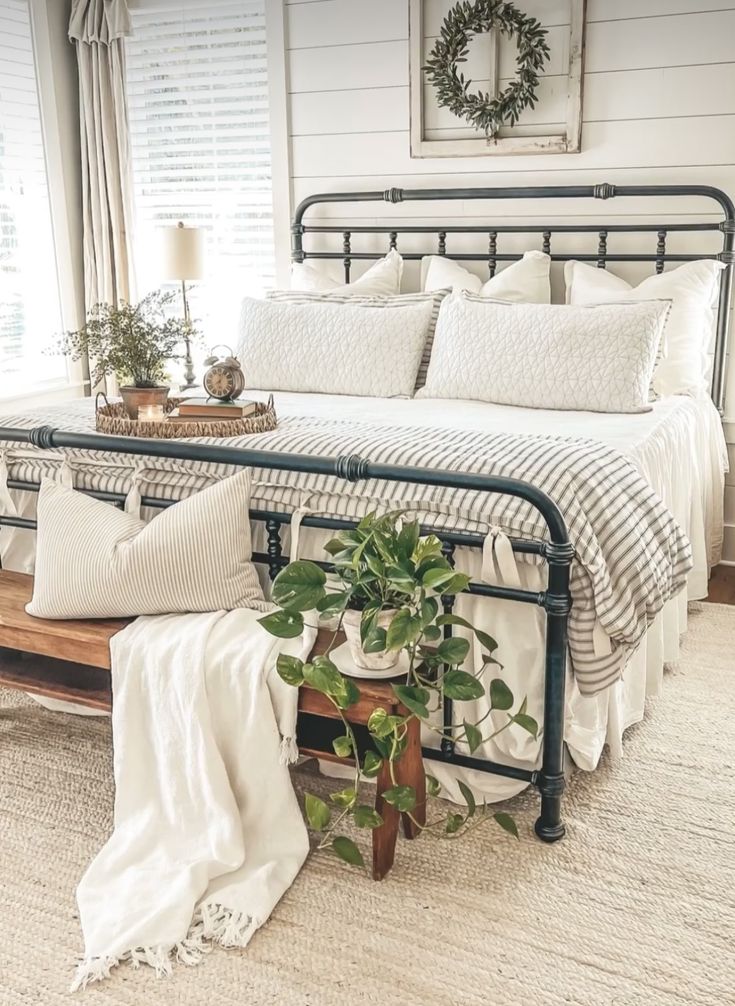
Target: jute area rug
634	908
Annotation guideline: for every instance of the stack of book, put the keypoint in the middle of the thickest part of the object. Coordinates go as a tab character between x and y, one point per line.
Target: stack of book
193	410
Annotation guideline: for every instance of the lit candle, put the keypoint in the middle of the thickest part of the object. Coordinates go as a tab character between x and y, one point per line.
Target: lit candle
151	414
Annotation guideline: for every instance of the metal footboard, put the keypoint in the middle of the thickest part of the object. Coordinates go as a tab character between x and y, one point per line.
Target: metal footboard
557	553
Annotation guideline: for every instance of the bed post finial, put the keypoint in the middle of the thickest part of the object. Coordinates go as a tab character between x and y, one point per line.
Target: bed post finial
42	436
604	191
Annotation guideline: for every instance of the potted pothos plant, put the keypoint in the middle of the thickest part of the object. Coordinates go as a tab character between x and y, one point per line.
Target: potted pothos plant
385	564
133	343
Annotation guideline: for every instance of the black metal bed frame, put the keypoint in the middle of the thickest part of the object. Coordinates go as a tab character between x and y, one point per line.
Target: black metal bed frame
557	552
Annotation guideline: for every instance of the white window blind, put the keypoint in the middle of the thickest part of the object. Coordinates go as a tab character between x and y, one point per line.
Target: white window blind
198	105
30	313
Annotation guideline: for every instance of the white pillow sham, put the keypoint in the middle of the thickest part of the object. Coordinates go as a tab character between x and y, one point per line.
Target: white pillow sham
526	281
401	300
325	348
95	561
692	289
545	356
383	278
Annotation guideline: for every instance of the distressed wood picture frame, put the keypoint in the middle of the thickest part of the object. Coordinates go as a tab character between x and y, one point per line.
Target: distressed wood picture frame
566	142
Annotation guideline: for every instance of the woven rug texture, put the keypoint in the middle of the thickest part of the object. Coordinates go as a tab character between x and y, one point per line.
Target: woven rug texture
636	907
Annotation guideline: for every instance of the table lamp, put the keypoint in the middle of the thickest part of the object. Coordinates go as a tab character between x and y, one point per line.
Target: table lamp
182	260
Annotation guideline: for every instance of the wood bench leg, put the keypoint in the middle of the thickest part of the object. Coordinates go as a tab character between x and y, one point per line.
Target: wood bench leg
410	772
384	837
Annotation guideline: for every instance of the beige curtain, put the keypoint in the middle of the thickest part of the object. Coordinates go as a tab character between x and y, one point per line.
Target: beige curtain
98	28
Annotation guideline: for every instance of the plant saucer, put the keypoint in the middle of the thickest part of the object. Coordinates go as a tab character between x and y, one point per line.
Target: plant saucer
341	656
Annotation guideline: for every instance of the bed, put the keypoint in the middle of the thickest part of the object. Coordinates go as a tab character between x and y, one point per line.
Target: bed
677	449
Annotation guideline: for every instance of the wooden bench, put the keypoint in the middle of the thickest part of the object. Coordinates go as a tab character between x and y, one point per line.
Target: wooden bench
70	660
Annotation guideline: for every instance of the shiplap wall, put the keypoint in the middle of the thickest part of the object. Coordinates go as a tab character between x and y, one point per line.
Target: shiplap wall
659	107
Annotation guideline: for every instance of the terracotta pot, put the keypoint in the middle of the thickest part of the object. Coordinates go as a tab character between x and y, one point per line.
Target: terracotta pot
133	398
368	661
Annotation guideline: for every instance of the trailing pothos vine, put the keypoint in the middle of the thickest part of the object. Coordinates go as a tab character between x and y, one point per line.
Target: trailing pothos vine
385	564
465	20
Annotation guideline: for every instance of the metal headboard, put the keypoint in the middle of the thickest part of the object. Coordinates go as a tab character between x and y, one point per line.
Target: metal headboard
490	254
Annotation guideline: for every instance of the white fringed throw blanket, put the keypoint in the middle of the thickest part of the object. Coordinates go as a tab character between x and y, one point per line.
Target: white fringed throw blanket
208	833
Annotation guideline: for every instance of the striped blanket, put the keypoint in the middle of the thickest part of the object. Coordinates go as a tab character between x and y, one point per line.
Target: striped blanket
631	555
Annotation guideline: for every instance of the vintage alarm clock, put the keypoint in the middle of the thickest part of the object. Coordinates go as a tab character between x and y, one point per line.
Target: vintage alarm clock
224	379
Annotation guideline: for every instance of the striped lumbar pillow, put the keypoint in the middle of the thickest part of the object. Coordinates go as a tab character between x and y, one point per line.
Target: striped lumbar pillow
435	297
94	561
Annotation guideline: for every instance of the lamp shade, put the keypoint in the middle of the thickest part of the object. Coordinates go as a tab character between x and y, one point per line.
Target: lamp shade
182	252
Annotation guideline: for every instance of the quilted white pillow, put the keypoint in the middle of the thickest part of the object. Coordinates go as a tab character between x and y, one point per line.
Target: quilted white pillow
526	281
435	299
383	277
545	356
692	289
327	348
95	561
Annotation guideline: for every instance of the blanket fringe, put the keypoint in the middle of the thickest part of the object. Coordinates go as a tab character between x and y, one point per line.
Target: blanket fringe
289	753
212	923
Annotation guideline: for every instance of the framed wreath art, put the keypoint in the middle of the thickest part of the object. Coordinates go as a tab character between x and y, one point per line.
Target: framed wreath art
467	97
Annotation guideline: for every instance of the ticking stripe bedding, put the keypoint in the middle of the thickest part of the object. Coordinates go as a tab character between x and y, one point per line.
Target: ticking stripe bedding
631	555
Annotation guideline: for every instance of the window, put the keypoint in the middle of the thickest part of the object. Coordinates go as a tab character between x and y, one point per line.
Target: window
198	106
30	313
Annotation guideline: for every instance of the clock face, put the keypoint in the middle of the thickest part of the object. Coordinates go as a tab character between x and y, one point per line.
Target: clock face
219	382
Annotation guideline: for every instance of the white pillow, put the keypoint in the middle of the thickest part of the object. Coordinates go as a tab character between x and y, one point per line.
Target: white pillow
95	561
692	289
526	281
545	356
328	348
383	277
435	299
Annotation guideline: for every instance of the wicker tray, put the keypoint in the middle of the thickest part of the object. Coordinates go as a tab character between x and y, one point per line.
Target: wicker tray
113	419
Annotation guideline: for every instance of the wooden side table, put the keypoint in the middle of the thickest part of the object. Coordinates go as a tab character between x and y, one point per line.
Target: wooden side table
409	771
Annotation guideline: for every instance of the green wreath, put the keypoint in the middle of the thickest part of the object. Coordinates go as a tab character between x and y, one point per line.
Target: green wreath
479	109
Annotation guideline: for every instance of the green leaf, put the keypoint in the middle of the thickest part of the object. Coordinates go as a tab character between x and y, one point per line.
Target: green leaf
454	620
349	695
433	786
371	764
332	604
408	539
487	641
290	669
347	850
527	722
458	583
323	675
403	798
317	813
468	797
344	797
454	823
474	736
435	577
366	817
501	697
299	586
403	629
284	624
413	698
383	746
377	722
453	650
432	633
507	823
429	609
375	640
342	746
461	686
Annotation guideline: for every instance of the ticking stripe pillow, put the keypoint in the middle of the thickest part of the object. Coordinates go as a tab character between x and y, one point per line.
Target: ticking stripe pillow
363	300
95	561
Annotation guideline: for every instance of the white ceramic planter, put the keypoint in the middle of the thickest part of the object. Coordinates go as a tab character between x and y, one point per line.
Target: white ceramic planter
368	661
